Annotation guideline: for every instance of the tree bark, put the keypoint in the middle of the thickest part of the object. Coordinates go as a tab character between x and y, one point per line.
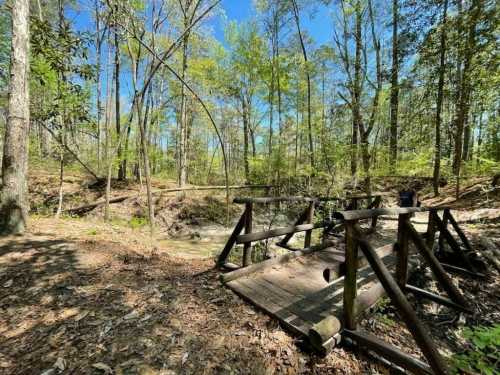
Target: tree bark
98	43
308	81
439	101
14	191
463	104
393	147
356	91
246	126
121	174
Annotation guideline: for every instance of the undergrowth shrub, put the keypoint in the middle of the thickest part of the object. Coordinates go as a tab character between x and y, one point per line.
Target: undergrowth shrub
483	353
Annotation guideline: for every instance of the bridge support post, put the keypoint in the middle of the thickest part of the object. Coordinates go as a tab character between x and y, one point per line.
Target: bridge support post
351	264
247	247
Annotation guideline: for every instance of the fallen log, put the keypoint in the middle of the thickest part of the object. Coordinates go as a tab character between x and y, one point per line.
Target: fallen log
90	206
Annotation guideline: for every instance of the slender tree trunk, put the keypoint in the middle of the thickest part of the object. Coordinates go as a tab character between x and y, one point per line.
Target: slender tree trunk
121	174
246	126
356	91
98	43
147	173
183	121
439	101
393	147
462	109
62	118
467	136
14	191
308	81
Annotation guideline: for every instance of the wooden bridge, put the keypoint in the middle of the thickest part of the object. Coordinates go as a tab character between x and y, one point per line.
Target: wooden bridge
319	292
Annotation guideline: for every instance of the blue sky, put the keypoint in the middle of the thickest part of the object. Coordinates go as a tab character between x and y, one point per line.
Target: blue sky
317	22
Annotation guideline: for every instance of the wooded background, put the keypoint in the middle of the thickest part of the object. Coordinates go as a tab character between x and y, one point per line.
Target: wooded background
146	89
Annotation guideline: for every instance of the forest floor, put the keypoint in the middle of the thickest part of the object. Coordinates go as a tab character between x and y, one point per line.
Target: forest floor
80	296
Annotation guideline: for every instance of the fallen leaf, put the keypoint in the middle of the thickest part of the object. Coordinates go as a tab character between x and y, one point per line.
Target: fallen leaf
132	315
8	283
103	367
82	315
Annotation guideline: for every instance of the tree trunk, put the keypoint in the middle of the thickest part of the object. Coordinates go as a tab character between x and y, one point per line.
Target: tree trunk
463	104
121	174
356	91
145	160
308	81
14	191
246	126
98	43
439	101
393	147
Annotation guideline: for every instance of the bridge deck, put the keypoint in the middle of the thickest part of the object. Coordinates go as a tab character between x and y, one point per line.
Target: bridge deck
295	292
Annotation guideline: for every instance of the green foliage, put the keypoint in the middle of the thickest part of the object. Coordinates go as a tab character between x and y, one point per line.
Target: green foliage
137	222
483	354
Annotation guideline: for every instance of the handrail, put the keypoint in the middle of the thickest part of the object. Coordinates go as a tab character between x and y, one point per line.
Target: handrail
367	214
263	200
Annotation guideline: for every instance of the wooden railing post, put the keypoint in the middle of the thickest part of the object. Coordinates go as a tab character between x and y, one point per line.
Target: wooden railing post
247	247
299	221
375	204
310	219
402	251
231	241
431	231
445	226
351	260
459	231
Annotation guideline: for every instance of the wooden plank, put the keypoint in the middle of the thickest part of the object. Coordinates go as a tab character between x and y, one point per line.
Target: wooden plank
231	241
367	214
259	236
413	324
421	293
290	320
263	200
368	196
436	267
247	247
304	307
388	351
269	263
351	262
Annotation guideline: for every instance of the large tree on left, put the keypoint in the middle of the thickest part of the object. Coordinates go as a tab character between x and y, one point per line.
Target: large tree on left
14	190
